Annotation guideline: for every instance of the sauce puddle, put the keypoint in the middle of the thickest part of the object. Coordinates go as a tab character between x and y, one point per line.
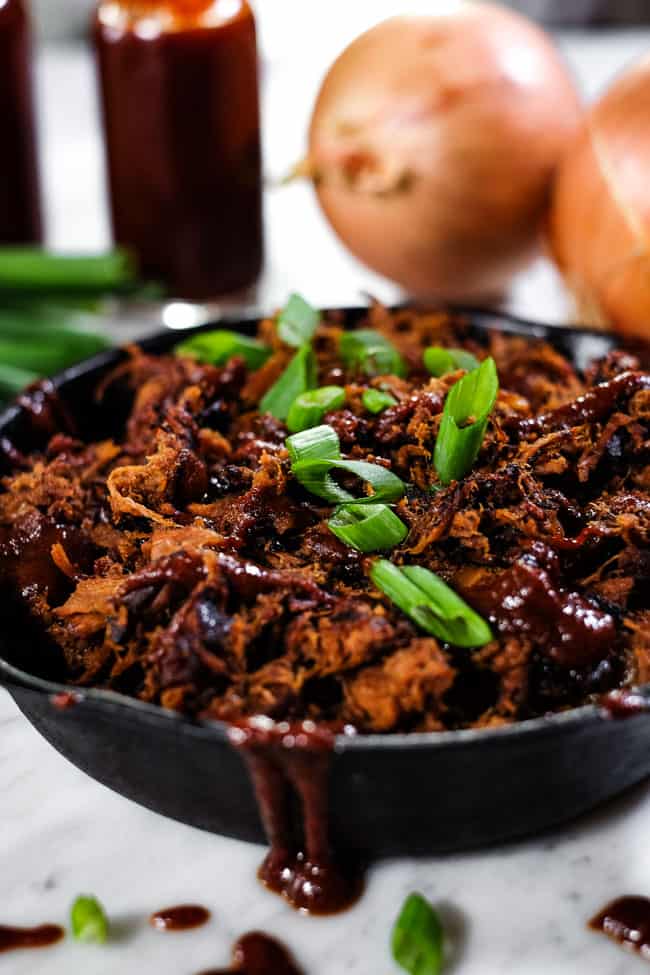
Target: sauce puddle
289	761
184	917
258	954
11	939
626	921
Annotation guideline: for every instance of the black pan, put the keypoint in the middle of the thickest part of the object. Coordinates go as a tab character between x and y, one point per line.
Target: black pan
390	794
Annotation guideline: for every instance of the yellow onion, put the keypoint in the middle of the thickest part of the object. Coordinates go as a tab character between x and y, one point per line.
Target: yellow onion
433	144
599	224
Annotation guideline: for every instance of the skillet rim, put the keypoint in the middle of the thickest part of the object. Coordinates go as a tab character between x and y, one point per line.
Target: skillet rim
136	711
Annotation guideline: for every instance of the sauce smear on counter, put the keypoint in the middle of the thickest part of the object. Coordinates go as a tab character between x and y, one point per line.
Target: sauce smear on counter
181	918
258	954
295	758
41	936
626	921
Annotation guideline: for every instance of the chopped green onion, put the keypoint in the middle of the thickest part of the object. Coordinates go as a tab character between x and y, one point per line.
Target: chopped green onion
417	941
317	443
315	476
220	345
368	528
439	361
375	400
308	409
464	421
30	269
371	352
299	376
88	920
297	321
430	603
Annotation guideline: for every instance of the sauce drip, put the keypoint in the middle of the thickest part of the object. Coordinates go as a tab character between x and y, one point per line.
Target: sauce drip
295	758
258	954
626	921
624	703
595	405
184	917
65	700
526	599
39	937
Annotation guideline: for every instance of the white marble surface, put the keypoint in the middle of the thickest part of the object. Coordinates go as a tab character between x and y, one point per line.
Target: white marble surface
519	909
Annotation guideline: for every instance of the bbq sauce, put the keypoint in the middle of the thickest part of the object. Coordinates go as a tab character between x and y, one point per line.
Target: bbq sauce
180	102
295	758
626	921
11	939
258	954
181	918
624	703
20	208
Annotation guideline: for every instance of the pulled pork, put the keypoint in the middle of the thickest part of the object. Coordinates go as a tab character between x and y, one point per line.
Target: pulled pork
181	563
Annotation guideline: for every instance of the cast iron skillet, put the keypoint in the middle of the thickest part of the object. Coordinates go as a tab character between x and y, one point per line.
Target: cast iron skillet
390	794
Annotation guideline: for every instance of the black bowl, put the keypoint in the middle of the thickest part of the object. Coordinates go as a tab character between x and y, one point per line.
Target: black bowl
390	794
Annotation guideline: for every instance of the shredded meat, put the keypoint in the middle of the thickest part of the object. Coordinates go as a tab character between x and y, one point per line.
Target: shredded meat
179	560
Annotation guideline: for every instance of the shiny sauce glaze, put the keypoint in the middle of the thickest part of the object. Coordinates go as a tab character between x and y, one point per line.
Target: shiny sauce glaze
183	917
527	599
288	762
626	921
41	936
624	703
258	954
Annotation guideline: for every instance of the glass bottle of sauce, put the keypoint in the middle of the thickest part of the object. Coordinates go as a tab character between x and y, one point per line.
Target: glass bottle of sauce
179	87
20	208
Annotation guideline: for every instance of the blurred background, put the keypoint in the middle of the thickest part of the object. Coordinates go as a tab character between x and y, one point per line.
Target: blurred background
298	40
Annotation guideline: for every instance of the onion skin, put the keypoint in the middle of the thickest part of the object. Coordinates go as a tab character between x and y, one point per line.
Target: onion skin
433	144
599	223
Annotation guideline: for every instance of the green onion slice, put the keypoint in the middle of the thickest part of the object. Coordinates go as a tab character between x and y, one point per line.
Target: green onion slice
218	346
376	400
316	477
371	352
430	603
417	941
368	528
308	409
31	269
88	920
299	376
464	421
297	321
439	361
317	443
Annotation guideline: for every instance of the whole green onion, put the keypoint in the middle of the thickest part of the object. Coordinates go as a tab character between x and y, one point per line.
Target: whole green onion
30	269
439	361
308	409
88	920
417	940
317	443
220	345
372	353
464	421
51	351
299	376
13	380
376	400
431	603
297	321
368	528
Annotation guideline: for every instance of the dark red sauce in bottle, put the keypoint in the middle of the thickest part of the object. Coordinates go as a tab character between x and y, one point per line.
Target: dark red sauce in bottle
20	209
179	87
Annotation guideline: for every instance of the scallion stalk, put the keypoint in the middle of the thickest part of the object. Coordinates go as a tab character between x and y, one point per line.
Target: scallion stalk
308	409
33	270
368	528
220	345
417	940
376	400
371	353
299	376
464	421
439	361
297	321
